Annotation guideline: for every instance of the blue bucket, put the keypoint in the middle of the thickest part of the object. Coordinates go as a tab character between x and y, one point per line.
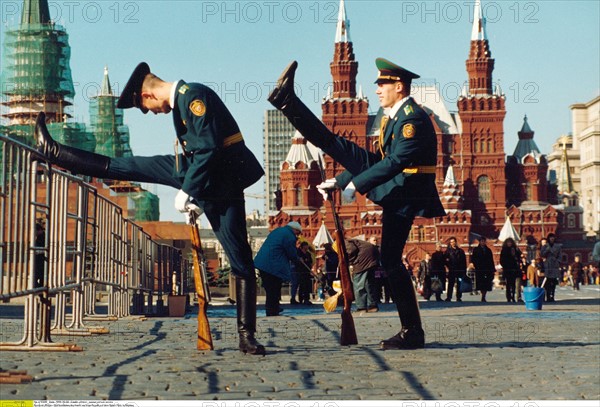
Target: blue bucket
533	296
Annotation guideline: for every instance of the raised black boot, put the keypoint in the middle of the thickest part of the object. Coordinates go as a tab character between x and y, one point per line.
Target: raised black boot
411	336
73	159
284	98
246	315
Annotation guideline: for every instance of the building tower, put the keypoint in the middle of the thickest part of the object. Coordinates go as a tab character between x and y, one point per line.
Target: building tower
112	136
478	154
526	170
345	113
37	77
300	172
277	140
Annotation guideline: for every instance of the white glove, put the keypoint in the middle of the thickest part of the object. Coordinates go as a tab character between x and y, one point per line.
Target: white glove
349	193
182	200
194	212
326	186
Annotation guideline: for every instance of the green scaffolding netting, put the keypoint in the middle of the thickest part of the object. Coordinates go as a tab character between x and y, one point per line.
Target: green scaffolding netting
106	122
146	206
36	62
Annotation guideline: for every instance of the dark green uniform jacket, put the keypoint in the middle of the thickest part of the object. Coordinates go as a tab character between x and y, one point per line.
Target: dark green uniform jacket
216	164
409	142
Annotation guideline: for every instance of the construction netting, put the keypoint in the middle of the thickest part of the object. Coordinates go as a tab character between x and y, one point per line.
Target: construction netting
36	62
106	123
146	206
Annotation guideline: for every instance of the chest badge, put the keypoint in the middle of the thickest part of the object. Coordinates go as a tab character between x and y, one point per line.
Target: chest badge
409	130
198	108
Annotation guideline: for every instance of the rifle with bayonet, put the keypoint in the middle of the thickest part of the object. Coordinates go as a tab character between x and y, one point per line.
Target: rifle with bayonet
348	334
204	337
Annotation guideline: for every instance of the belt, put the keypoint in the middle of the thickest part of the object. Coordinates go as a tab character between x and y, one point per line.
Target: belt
231	140
420	169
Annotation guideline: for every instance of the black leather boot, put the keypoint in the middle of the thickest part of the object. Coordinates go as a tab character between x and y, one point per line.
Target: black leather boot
411	336
73	159
284	98
246	315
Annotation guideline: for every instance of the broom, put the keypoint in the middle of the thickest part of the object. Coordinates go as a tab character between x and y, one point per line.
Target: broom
331	303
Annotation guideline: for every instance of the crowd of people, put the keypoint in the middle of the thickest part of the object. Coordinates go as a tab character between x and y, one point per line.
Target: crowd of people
443	271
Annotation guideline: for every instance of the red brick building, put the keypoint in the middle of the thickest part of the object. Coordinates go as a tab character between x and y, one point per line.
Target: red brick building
479	185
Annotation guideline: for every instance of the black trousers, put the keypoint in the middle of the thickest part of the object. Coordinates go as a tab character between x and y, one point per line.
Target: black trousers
453	277
395	230
272	286
227	217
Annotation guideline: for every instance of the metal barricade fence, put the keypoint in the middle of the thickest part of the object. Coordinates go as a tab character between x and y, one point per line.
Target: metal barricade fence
62	246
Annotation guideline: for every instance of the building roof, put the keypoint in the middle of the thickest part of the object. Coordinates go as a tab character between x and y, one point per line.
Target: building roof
507	231
300	152
428	96
526	144
322	236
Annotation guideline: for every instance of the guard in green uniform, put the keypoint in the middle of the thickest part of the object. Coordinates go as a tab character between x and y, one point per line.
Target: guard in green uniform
211	172
400	176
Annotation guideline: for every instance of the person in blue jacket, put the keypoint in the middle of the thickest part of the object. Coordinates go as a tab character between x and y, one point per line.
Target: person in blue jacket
400	176
211	172
274	261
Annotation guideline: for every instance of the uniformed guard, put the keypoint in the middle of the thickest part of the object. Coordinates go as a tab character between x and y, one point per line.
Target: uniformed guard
211	172
400	176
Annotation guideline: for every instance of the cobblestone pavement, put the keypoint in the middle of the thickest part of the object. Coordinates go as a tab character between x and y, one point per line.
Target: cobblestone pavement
474	350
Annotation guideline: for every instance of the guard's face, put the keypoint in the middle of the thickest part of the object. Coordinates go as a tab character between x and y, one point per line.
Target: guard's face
388	93
155	105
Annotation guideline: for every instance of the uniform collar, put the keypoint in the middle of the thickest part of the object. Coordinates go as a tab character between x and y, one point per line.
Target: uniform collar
394	109
174	87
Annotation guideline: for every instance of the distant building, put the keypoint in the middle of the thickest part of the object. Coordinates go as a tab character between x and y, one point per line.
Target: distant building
277	139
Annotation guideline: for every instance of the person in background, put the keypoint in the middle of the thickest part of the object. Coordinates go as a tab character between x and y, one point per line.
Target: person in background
424	276
304	273
521	280
510	259
363	259
576	272
273	262
331	263
456	261
551	253
483	260
533	273
438	271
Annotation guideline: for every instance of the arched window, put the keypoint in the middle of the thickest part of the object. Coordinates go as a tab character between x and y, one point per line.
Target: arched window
483	188
489	146
299	195
476	146
571	220
528	191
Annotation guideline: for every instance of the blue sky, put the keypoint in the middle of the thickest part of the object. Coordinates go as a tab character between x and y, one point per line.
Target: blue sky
547	55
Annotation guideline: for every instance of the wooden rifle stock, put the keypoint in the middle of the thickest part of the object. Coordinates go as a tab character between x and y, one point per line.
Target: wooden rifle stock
204	337
348	334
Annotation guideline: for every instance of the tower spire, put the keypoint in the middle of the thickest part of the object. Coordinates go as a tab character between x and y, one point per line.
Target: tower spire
478	33
480	63
565	185
35	12
106	90
342	32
